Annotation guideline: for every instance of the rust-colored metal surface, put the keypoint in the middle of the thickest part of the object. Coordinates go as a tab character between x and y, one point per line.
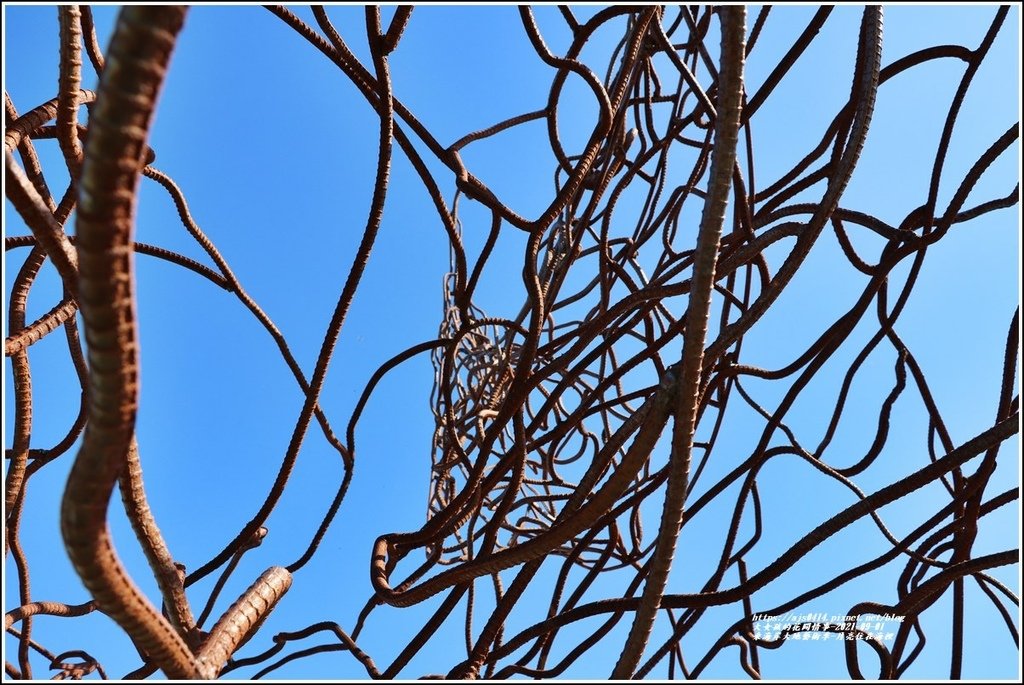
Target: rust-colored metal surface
560	430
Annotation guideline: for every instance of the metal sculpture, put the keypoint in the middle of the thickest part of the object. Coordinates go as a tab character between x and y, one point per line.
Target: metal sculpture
547	425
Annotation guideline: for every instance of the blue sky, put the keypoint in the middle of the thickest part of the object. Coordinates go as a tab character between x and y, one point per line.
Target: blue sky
275	150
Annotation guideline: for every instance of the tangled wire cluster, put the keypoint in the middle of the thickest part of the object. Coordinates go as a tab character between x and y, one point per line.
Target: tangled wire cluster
552	437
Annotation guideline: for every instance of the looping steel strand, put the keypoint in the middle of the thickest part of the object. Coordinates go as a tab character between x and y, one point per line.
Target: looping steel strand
654	417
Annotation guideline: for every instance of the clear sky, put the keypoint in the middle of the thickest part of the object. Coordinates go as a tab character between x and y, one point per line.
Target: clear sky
275	150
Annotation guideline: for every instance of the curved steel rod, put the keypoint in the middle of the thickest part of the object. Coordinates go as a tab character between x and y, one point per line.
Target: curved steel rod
136	64
727	124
